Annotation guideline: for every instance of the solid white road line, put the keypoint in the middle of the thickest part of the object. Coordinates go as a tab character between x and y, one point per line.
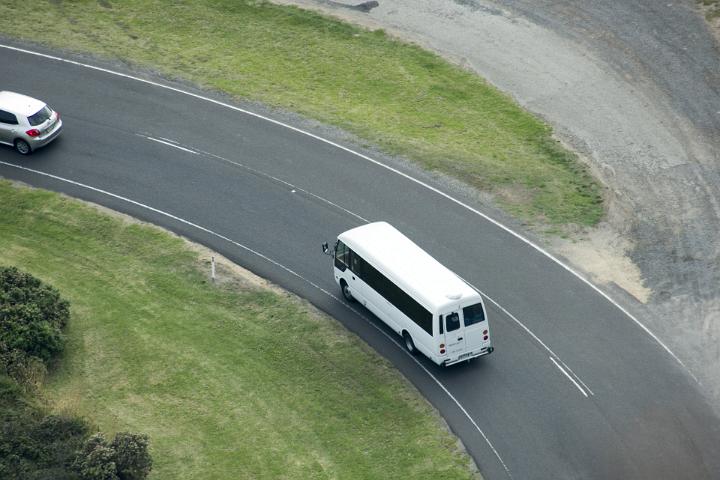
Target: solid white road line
283	267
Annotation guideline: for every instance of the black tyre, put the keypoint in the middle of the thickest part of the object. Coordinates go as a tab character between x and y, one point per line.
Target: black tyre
22	147
409	344
346	292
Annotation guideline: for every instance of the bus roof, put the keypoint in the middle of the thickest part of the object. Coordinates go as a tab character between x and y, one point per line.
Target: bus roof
409	266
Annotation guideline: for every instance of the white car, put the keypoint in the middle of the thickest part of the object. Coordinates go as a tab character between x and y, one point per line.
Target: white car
27	123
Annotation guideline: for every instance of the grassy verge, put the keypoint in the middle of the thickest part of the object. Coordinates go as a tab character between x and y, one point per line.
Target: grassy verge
230	380
398	96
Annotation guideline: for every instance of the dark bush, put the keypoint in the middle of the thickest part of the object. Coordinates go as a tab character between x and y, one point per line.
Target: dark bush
131	456
26	370
96	460
32	315
126	458
33	445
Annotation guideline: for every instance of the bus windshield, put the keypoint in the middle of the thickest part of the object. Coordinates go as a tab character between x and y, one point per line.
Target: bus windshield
474	314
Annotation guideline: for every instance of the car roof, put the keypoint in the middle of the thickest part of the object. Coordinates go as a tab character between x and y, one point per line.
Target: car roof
19	104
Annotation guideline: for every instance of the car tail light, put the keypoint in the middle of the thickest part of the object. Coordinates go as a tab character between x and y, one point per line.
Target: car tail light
33	132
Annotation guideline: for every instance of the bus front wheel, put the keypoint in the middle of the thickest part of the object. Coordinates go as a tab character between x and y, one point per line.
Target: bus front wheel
346	292
409	344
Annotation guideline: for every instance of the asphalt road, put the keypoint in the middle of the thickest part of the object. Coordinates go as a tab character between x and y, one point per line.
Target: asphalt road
587	394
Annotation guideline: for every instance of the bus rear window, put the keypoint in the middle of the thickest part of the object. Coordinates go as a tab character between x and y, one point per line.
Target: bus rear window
473	314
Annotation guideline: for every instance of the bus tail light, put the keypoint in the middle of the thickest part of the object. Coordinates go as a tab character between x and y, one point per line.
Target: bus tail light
485	337
442	348
484	332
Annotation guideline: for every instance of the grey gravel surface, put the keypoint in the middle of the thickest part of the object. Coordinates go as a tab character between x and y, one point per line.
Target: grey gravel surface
634	87
623	408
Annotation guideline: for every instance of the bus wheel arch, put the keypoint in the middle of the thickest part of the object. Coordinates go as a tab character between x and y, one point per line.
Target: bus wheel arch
346	291
409	343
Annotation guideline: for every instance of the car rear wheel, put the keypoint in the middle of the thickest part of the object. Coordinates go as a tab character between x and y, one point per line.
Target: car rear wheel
22	147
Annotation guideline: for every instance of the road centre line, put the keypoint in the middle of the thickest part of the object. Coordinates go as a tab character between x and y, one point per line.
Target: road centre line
553	356
382	165
523	326
568	376
168	143
283	267
197	151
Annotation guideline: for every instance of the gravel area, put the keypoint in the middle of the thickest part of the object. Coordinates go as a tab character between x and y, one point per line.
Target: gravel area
634	87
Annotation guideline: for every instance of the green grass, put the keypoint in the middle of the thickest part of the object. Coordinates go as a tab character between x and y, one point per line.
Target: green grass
391	94
229	380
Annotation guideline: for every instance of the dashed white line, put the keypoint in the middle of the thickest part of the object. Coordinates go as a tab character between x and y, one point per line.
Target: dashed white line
553	355
169	143
294	188
568	376
283	267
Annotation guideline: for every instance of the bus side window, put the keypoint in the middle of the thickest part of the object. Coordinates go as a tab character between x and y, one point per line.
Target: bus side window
341	254
453	321
355	263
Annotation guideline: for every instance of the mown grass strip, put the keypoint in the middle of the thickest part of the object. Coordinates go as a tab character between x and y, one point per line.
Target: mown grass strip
395	95
229	380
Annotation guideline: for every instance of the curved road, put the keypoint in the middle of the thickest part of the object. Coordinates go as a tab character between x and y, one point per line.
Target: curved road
575	389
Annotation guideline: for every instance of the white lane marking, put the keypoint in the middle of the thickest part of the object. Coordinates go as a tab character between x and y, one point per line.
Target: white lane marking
576	377
529	332
535	337
568	376
382	165
293	187
168	143
283	267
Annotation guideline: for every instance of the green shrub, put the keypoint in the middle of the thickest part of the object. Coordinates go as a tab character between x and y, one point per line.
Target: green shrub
26	370
32	315
126	458
34	445
132	458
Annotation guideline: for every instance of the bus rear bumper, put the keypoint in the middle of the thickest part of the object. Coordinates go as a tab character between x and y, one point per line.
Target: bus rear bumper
469	356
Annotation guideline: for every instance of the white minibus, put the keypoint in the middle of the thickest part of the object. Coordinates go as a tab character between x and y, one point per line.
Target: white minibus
430	307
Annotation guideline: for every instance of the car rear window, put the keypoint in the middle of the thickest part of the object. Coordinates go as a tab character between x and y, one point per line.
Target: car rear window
473	314
39	117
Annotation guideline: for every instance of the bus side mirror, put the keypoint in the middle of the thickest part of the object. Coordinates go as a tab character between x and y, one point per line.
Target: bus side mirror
326	249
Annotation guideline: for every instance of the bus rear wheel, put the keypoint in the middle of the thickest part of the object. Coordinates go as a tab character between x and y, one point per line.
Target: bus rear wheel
346	291
409	344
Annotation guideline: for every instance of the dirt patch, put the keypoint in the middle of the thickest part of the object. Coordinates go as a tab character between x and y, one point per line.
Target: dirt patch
605	256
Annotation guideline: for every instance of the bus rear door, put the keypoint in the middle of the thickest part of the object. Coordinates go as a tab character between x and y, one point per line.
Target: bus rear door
454	335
